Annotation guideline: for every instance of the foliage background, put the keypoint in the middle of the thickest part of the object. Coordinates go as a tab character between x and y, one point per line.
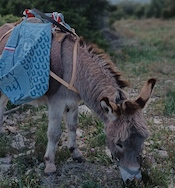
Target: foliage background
84	16
87	16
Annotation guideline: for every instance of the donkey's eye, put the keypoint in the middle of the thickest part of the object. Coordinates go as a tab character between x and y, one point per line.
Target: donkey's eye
119	146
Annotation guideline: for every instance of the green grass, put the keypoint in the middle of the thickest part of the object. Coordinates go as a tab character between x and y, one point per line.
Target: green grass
90	184
148	51
169	103
5	141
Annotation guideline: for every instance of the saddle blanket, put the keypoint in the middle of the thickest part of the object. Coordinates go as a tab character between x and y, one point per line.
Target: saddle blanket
25	62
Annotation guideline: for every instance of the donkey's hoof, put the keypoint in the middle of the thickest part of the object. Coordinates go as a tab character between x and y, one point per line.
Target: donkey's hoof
50	168
79	159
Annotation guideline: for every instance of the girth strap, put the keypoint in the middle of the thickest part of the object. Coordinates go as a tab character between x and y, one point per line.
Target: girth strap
74	66
53	75
6	34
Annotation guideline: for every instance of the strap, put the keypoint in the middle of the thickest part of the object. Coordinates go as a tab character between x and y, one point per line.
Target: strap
52	21
74	65
6	34
70	85
53	75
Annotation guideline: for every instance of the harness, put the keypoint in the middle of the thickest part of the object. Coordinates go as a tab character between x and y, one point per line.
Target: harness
62	26
69	85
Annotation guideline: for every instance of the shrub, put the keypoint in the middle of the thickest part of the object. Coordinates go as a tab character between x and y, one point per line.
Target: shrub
169	103
84	16
9	18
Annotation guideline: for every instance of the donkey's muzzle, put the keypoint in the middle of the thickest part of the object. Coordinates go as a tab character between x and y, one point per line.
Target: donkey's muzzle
130	174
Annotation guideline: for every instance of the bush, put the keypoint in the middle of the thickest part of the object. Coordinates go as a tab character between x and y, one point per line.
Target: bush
157	8
169	103
84	16
9	18
127	9
161	9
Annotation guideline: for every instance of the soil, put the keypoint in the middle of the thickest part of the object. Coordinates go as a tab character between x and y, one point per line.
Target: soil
75	175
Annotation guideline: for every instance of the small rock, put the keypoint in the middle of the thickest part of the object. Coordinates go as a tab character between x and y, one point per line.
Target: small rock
35	118
144	152
83	109
172	128
9	122
5	160
79	132
4	168
18	141
147	143
33	129
29	152
162	153
41	165
72	186
168	81
108	152
11	129
29	172
157	120
151	142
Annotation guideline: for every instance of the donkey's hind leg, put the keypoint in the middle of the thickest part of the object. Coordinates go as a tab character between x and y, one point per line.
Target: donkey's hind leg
3	103
53	133
71	117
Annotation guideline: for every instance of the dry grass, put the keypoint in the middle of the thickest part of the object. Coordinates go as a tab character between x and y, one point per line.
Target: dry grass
151	54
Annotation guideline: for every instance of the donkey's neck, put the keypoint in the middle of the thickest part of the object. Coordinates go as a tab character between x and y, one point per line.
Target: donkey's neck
94	81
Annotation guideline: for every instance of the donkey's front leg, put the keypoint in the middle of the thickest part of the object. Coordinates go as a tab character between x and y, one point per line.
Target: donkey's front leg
71	117
53	134
3	103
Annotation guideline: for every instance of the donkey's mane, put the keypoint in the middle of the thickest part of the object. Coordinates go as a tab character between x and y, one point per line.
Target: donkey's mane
123	132
106	62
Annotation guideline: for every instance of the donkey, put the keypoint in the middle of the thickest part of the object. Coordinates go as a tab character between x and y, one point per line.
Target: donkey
100	86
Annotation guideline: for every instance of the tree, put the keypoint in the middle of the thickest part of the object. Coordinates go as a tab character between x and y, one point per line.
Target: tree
83	15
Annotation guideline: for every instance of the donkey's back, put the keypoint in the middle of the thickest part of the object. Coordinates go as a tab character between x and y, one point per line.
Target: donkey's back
4	29
56	65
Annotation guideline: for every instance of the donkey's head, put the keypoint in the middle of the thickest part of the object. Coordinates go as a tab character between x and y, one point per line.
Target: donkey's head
126	131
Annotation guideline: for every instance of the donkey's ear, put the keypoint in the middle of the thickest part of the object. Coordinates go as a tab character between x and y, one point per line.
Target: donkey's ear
130	107
146	92
110	108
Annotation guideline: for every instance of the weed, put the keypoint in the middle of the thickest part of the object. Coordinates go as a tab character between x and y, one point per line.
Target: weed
21	182
90	184
5	141
169	103
62	155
